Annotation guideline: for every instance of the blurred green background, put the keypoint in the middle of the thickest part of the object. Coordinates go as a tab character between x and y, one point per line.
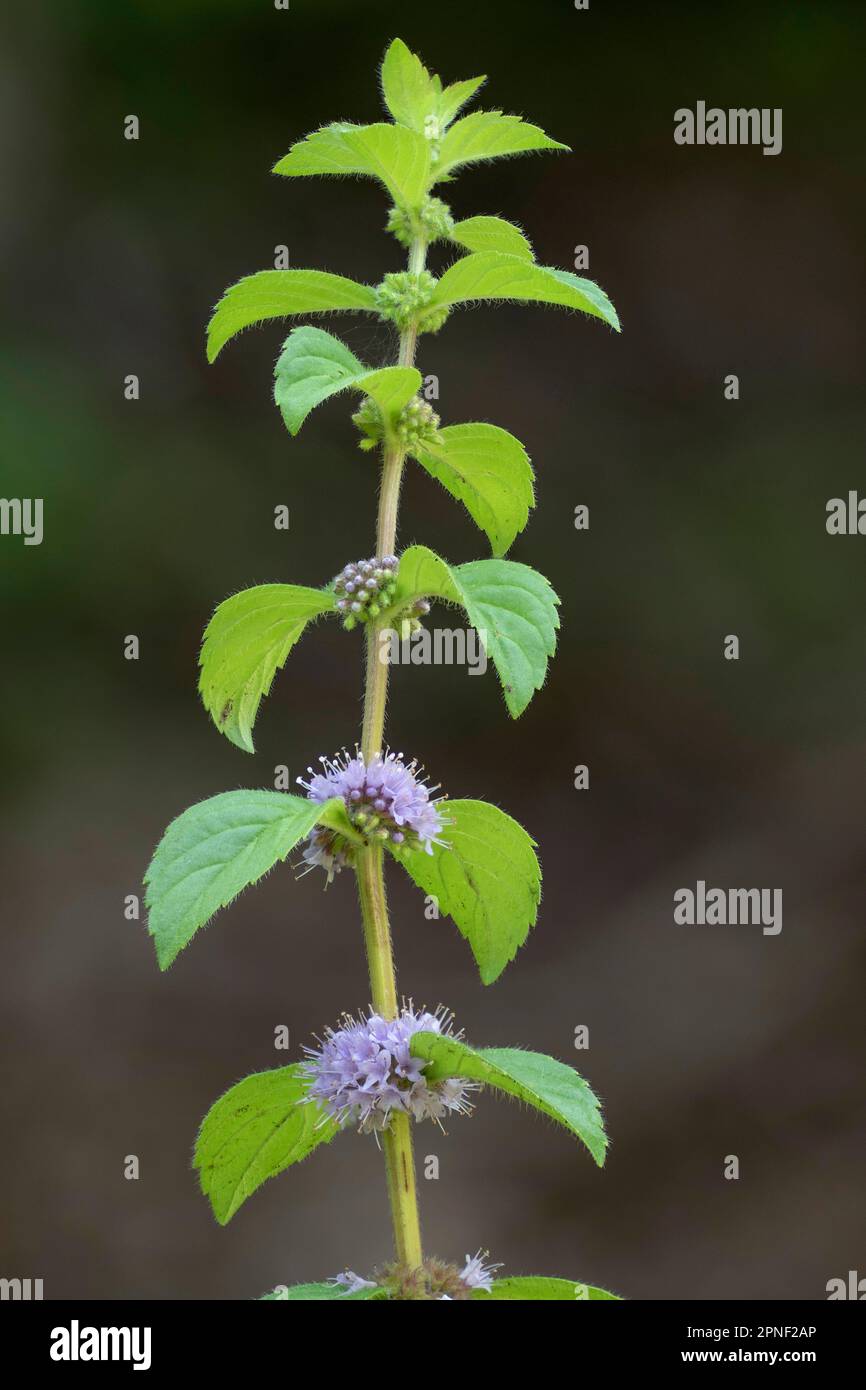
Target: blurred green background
707	518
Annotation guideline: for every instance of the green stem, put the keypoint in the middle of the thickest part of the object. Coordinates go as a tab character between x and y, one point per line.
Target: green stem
397	1138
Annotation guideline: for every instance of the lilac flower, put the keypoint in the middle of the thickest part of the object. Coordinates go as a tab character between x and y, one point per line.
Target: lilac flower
351	1282
476	1274
386	800
364	1071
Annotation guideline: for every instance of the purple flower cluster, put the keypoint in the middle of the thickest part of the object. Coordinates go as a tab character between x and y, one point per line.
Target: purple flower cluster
364	588
386	799
363	1072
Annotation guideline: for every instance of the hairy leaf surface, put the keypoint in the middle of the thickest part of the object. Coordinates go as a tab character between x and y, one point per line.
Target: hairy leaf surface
314	365
488	135
486	878
413	95
322	1293
496	275
511	605
398	157
534	1288
259	1128
245	643
488	470
492	234
278	294
219	847
540	1081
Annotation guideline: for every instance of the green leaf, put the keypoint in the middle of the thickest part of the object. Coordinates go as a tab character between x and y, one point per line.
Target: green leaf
516	607
256	1130
535	1288
330	1293
412	94
315	365
407	87
488	470
494	275
511	605
487	135
398	157
455	97
219	847
422	574
486	878
540	1081
277	294
492	234
246	641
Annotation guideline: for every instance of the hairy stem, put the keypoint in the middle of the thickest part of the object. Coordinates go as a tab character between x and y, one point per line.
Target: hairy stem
397	1138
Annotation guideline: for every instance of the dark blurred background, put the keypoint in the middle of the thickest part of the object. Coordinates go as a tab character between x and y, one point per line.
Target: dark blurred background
707	518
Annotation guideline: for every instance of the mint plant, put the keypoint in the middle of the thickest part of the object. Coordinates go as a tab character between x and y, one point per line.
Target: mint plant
367	806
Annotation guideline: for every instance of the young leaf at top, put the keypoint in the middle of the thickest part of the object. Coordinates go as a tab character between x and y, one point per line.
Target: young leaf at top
540	1081
495	275
455	97
246	641
323	1293
488	470
486	877
277	294
259	1128
314	365
398	157
413	95
219	847
492	234
487	135
534	1288
407	87
512	607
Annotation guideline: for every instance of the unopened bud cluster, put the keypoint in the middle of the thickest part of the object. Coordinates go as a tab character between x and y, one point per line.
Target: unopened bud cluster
364	588
432	221
415	426
404	299
368	418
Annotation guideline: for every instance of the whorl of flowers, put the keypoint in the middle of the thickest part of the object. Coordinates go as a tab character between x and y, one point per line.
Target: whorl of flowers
364	1071
364	588
416	424
432	222
433	1281
386	800
403	298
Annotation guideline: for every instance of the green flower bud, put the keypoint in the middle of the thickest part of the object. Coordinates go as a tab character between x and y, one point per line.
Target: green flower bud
368	418
403	298
431	222
416	424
